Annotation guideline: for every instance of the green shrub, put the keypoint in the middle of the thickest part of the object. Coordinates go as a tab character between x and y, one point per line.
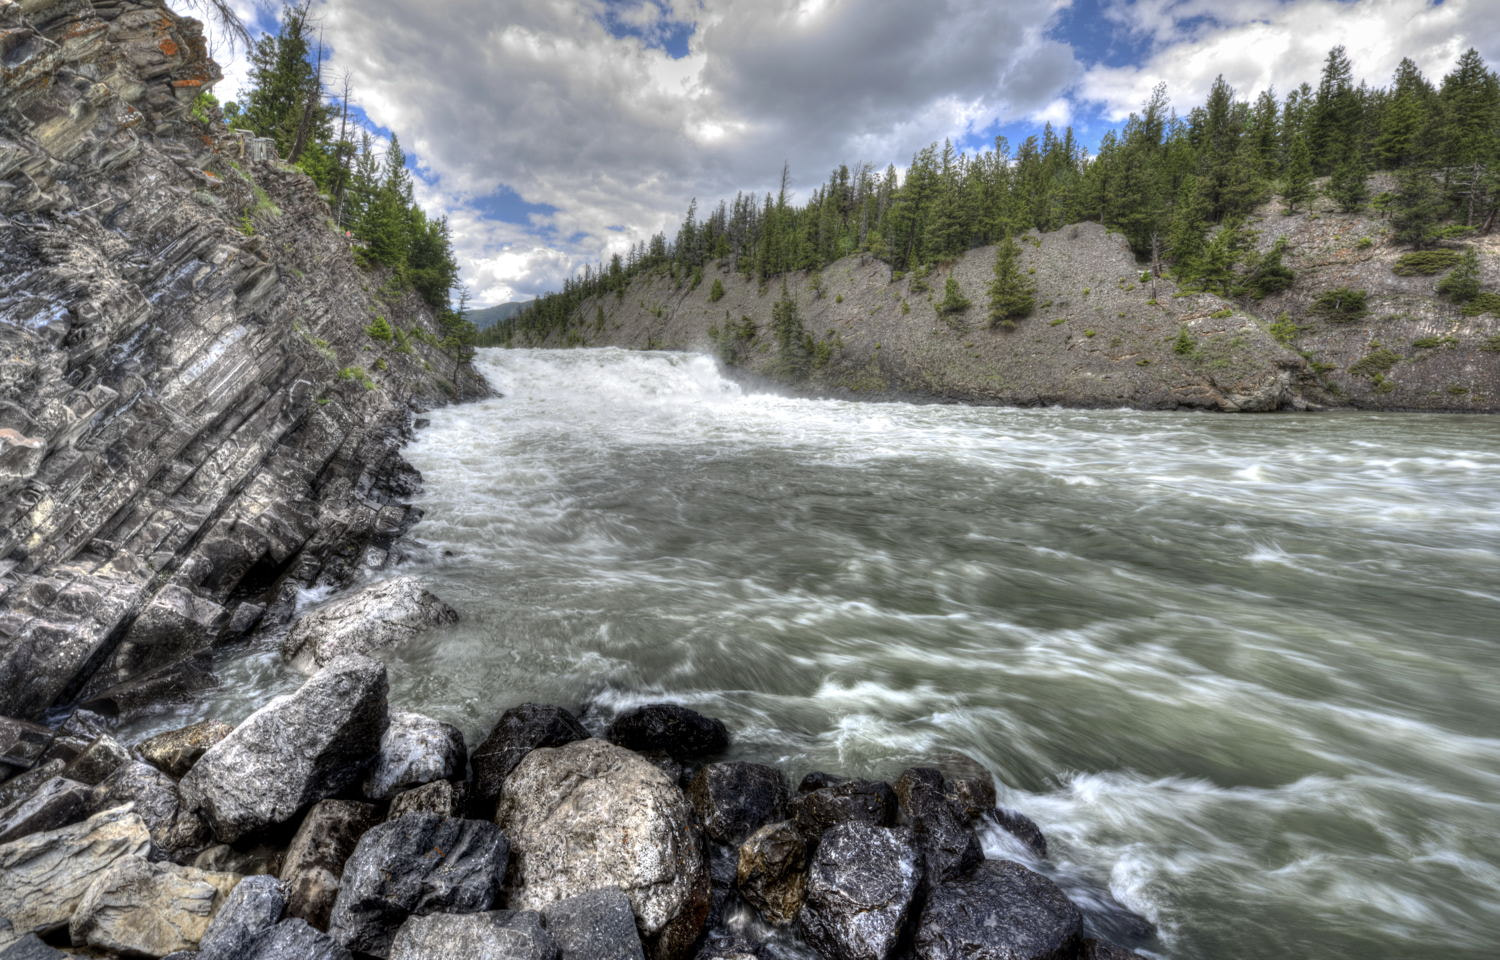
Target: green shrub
1090	333
1284	330
1375	364
1425	263
1221	314
357	374
1341	305
381	330
1491	344
839	298
1482	303
1462	284
716	292
1430	343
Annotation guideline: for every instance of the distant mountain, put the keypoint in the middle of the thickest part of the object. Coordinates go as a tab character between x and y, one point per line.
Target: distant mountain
490	316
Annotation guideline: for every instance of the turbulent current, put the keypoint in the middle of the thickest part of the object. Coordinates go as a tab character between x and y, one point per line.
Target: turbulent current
1244	671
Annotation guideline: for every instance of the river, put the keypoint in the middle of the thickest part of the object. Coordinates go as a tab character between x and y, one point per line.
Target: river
1243	671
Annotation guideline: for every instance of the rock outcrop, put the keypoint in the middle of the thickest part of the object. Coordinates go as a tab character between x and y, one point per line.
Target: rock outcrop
143	909
194	424
861	888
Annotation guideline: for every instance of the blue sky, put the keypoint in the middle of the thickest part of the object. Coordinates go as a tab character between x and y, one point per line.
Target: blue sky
553	134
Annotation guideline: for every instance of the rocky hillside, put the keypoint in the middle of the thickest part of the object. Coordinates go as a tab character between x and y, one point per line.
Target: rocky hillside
1103	334
195	421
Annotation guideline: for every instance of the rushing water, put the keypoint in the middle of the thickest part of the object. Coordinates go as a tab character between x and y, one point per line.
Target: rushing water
1244	671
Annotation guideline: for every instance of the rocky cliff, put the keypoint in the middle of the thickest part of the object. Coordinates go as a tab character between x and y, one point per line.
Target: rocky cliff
194	422
1102	335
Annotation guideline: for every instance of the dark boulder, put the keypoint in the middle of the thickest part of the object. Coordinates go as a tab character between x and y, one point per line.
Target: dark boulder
861	887
1024	829
668	727
100	758
294	751
519	731
1101	950
23	785
497	935
733	800
173	682
55	803
950	848
1002	911
252	909
772	872
852	801
817	780
413	866
31	947
22	744
314	861
294	940
598	925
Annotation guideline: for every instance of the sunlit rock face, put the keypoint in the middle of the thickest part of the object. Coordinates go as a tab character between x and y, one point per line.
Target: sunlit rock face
192	424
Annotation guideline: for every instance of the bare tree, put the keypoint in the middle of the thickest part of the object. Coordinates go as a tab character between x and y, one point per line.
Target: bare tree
224	14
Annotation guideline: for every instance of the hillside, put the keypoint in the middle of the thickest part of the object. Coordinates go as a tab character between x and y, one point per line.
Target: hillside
489	316
1096	338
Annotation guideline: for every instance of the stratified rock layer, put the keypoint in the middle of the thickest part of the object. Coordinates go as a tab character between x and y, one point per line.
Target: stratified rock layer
186	434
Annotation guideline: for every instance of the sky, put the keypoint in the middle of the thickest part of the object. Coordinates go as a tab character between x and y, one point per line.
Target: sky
553	133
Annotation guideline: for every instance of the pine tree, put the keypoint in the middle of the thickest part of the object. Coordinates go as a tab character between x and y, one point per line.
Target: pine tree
1012	295
791	339
1349	185
1406	118
1333	128
953	300
1417	207
1296	182
1462	283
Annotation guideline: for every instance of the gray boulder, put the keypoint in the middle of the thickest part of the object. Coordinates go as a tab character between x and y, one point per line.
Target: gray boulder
598	925
246	917
415	750
141	908
294	939
860	890
315	860
950	847
412	866
380	615
733	800
294	751
498	935
590	815
442	797
772	872
55	803
519	731
175	751
1003	911
44	877
670	728
176	833
848	801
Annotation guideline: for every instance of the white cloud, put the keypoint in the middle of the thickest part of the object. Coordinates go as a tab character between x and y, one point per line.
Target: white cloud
1260	44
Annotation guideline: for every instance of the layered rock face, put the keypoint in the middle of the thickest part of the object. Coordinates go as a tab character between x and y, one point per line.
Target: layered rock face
194	423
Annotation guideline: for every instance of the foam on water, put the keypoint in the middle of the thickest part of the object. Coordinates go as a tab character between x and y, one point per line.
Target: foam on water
1243	671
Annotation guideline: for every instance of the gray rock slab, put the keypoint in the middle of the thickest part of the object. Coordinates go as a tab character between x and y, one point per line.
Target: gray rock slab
598	925
294	751
496	935
44	877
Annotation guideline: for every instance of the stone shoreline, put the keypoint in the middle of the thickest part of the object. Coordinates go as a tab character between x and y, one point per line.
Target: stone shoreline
327	825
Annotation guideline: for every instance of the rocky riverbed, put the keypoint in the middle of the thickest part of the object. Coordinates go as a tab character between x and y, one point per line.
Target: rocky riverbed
327	825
